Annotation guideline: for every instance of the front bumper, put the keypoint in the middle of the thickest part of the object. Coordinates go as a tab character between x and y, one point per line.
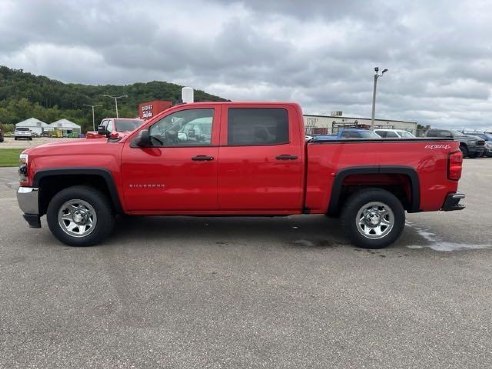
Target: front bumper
452	202
28	199
476	150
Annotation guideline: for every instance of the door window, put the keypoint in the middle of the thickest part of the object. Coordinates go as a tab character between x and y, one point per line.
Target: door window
191	127
252	126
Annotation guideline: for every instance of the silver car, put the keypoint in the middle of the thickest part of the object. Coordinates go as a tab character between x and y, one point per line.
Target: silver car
22	133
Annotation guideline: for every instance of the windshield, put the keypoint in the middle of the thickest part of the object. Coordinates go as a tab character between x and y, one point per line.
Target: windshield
125	125
406	134
368	134
458	133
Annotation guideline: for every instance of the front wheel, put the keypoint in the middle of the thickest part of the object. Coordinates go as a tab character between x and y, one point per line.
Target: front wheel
80	216
373	218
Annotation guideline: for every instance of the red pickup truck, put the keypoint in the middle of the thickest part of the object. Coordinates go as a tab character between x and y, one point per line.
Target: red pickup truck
231	158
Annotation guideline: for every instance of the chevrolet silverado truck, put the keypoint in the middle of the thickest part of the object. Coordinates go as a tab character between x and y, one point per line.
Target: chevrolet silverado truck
249	159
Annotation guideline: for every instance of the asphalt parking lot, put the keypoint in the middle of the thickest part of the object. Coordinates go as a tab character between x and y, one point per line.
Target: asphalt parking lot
250	293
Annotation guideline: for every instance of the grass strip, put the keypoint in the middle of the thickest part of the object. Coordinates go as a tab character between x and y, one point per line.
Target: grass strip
9	157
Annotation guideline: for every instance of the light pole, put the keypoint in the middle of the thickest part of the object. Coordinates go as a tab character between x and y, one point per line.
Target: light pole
116	102
93	121
376	76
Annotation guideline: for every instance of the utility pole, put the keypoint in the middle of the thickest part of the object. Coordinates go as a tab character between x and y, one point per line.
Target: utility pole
93	120
116	102
376	76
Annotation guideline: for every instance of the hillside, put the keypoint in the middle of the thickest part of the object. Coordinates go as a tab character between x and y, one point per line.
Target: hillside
24	95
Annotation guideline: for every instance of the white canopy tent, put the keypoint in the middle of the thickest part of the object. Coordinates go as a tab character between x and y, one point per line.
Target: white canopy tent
35	125
66	127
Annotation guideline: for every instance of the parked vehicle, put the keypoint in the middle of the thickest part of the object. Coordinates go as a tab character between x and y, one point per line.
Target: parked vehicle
393	133
470	146
109	125
487	137
22	133
348	133
254	162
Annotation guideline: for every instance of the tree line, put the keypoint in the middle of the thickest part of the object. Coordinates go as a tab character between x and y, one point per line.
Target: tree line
24	95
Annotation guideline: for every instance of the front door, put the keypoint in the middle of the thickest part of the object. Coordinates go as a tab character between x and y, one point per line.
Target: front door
178	173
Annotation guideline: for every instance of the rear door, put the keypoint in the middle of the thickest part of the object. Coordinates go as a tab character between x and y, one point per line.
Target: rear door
261	159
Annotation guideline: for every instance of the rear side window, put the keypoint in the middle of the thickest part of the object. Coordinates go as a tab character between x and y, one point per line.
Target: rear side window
251	126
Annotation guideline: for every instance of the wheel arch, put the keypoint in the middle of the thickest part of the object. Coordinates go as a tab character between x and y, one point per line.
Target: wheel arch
376	177
51	181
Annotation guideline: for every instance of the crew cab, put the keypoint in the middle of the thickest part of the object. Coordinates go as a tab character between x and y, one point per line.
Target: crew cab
250	159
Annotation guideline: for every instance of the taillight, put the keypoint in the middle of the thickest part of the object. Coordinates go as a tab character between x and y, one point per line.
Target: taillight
455	164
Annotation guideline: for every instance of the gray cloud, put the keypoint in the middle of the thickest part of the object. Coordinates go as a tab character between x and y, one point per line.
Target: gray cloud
320	53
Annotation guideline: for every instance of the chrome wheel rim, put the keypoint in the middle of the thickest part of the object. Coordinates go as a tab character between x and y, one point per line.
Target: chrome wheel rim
77	218
375	220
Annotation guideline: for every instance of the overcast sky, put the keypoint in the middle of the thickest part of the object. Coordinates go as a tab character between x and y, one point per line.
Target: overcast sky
320	53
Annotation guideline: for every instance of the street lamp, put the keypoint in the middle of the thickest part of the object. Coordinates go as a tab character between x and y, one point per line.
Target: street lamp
93	122
376	76
116	101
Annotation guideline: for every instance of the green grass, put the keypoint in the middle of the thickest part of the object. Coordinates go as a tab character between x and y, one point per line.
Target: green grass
9	157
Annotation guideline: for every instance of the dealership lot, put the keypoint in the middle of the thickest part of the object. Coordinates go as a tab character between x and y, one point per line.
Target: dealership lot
288	292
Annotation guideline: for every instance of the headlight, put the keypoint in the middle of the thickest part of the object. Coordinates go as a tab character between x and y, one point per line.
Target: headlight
23	160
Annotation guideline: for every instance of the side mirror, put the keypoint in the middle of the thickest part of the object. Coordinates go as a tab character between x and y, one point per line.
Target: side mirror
143	139
102	130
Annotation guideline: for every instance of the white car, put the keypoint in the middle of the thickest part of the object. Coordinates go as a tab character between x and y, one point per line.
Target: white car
393	133
22	133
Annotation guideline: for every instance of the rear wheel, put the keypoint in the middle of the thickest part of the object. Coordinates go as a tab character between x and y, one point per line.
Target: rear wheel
80	216
373	218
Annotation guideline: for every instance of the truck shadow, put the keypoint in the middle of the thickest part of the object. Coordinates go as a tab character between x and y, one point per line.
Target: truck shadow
290	232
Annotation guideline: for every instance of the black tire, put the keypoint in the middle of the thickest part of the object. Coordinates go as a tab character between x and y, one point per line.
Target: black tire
15	138
464	151
382	223
83	209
